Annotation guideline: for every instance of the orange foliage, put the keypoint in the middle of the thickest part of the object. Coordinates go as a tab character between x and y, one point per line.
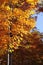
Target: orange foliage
15	20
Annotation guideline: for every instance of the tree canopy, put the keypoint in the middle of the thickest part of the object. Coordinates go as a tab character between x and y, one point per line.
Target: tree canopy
15	26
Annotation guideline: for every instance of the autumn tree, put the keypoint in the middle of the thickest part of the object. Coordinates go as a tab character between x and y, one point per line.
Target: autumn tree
16	21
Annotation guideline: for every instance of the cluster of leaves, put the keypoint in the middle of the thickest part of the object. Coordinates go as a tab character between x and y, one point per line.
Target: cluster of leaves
15	21
15	36
30	52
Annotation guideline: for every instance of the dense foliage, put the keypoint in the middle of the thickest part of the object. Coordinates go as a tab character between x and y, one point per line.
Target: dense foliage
16	22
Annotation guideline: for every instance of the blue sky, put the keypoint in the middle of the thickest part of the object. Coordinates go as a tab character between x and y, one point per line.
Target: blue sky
39	23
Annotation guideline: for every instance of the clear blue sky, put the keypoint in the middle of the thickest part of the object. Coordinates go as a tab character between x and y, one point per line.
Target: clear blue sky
39	23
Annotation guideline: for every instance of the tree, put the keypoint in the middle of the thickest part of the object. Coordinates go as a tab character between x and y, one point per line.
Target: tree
15	25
